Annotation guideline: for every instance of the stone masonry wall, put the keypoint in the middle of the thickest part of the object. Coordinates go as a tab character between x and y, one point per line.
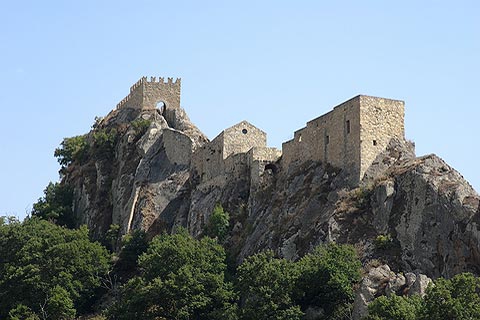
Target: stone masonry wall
145	94
332	138
350	136
178	147
208	161
382	120
242	137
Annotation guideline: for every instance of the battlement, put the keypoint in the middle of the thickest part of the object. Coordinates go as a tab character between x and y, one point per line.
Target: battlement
147	93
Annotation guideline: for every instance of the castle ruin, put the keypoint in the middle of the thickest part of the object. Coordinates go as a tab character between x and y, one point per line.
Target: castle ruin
349	137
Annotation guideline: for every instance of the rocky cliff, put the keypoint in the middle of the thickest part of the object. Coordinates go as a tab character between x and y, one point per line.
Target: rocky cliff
416	214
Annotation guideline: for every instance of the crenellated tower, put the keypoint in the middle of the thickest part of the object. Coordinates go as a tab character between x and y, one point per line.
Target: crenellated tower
148	94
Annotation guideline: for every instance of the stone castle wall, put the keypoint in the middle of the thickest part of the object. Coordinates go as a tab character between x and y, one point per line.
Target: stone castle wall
350	136
146	94
331	138
178	147
233	152
381	120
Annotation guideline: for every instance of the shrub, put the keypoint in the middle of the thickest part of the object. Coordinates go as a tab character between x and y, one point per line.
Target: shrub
74	149
394	308
266	285
56	205
327	277
140	125
104	141
383	241
218	223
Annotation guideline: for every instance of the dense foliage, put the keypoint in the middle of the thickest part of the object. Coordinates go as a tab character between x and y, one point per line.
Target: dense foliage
182	278
47	271
56	205
266	285
327	276
456	298
273	288
72	149
218	223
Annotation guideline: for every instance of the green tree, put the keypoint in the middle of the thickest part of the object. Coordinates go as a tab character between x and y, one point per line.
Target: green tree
104	141
181	278
327	277
394	308
47	268
133	245
56	205
218	223
456	298
266	286
22	312
72	149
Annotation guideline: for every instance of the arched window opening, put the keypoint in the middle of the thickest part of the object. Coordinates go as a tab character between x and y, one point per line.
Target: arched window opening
271	168
161	106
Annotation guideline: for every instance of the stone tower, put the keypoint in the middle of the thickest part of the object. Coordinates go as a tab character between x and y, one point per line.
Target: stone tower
148	94
350	136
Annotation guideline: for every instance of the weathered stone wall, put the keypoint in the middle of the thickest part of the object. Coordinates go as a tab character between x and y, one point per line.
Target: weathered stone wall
242	137
258	159
146	94
350	136
381	121
178	147
332	138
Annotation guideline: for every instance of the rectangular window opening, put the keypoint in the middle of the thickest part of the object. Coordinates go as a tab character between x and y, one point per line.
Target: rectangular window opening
374	142
327	139
348	126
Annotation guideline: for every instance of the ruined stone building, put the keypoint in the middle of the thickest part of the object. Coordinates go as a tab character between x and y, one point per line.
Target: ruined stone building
237	151
349	137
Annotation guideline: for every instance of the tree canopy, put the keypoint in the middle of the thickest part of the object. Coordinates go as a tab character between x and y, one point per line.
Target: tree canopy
47	271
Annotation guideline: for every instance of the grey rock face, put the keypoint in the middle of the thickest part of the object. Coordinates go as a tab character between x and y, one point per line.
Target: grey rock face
382	281
426	211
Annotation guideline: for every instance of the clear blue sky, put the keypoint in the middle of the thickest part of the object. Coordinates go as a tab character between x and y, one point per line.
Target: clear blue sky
276	64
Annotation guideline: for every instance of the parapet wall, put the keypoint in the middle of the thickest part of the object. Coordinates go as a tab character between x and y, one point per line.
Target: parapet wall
146	94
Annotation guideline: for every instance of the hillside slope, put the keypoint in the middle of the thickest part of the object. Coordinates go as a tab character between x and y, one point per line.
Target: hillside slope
417	214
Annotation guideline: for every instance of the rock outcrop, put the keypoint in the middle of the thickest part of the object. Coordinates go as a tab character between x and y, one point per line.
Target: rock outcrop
416	214
382	281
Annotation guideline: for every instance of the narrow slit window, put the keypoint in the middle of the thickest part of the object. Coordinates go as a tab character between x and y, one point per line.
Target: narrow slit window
374	142
327	139
348	126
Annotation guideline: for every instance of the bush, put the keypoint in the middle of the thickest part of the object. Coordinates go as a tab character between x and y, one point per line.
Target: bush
133	246
327	277
56	205
383	241
218	223
74	149
104	141
394	308
456	298
140	126
266	286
